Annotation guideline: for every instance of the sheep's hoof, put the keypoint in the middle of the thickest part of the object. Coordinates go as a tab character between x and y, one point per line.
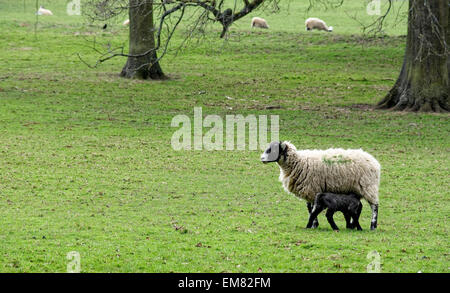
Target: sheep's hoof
309	226
336	230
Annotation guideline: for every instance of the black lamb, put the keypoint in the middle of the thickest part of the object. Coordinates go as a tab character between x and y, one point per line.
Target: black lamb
349	204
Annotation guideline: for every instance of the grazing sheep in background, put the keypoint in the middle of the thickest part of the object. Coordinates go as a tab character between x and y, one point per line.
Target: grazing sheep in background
306	173
315	23
349	204
43	11
126	22
259	22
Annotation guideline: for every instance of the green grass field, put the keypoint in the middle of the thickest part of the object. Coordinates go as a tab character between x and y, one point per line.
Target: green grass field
86	163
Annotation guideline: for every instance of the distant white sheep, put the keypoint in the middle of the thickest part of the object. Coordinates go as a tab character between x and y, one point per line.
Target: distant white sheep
43	11
259	22
316	23
126	22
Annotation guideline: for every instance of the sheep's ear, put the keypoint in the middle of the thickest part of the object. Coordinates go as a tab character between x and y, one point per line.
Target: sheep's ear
283	145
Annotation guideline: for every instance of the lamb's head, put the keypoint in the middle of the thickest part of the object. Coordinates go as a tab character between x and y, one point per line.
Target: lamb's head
275	152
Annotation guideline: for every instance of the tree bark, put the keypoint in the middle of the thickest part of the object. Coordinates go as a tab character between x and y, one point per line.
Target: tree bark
142	62
423	83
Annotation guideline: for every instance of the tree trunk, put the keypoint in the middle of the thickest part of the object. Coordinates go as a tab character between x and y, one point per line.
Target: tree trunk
142	62
423	83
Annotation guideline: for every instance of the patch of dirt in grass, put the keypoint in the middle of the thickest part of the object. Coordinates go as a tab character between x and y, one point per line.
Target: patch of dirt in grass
24	49
359	39
363	107
85	33
263	107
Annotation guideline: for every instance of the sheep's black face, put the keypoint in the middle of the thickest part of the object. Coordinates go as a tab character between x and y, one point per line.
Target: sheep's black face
272	153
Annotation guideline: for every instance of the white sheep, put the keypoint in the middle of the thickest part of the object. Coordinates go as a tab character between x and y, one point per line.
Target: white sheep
259	22
43	11
126	22
306	173
316	23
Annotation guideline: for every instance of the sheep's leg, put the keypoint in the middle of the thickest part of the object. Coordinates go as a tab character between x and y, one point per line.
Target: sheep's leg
373	223
315	224
313	216
329	215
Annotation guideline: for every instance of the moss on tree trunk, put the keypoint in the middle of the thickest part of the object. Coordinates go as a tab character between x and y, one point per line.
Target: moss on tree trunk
423	83
142	62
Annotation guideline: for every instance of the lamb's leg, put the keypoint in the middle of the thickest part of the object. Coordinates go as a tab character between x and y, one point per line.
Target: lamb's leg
356	223
315	223
373	223
358	213
313	216
348	218
329	215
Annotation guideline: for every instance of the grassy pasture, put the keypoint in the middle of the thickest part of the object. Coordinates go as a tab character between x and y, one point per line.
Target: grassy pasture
86	163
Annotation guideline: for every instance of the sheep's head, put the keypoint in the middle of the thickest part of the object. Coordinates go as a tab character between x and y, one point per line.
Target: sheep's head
274	152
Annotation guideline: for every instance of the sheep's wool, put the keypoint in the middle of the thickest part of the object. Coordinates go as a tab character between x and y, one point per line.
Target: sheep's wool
316	23
259	22
307	172
43	11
